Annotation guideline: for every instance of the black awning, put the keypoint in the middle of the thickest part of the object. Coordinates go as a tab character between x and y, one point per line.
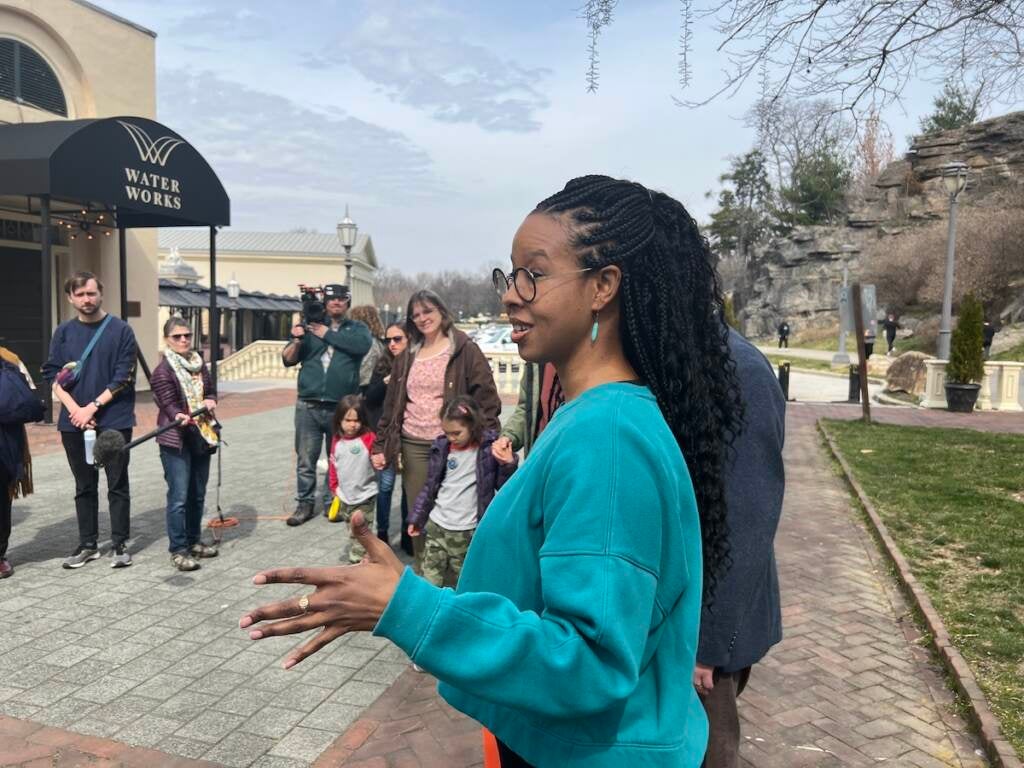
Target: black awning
174	294
147	172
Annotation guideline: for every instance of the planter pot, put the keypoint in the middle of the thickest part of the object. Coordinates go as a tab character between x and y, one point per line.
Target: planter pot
961	398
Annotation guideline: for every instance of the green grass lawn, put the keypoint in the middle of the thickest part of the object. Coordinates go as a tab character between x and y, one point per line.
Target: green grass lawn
1013	353
800	363
954	501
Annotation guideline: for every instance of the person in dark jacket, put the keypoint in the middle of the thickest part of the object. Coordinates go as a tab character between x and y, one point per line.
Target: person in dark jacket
891	325
18	406
745	618
181	384
462	477
988	333
330	355
783	335
97	392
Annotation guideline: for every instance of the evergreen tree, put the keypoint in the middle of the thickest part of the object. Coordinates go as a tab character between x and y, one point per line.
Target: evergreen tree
955	107
818	186
743	215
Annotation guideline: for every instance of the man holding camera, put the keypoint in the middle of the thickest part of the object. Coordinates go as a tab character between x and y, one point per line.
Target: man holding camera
330	353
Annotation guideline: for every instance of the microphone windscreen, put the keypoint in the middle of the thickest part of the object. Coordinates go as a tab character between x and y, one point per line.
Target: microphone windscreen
109	445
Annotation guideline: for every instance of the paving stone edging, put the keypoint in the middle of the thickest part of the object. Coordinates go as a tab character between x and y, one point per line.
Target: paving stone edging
999	750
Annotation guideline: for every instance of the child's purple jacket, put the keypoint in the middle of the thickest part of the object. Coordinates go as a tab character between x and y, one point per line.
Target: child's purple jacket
491	474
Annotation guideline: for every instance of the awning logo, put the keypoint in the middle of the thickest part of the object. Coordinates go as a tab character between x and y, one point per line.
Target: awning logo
156	152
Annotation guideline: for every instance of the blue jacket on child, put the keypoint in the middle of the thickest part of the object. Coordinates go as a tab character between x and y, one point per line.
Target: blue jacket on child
491	474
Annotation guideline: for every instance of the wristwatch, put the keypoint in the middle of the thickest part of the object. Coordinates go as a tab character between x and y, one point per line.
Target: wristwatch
97	403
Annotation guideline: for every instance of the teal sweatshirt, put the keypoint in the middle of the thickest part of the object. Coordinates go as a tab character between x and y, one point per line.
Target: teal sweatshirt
573	633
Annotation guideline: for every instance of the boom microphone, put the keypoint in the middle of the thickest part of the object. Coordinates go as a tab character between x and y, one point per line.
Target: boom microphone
110	443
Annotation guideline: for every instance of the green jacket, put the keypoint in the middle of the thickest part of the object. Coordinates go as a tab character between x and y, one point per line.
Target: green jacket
351	341
521	427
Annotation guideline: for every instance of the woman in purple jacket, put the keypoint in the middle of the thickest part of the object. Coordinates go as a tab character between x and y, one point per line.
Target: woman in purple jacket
181	384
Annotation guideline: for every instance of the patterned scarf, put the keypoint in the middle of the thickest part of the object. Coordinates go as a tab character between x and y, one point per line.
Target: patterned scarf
189	372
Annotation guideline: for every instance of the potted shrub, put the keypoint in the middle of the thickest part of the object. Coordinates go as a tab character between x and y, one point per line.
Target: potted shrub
966	367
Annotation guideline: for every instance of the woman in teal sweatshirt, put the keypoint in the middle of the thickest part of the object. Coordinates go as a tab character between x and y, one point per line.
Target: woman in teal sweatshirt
573	632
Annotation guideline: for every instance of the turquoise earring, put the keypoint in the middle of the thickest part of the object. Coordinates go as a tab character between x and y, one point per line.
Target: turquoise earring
593	330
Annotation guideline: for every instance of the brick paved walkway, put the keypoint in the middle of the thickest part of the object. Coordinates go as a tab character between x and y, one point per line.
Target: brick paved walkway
849	686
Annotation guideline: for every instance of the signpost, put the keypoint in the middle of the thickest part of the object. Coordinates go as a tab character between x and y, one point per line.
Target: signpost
857	299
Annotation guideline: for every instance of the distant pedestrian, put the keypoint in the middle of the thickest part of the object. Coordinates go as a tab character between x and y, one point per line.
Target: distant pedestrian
783	335
329	354
745	619
18	406
988	331
891	325
869	342
92	370
182	384
351	476
462	478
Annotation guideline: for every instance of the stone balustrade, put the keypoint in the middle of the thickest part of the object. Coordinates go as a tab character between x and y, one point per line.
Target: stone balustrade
1000	388
259	360
262	360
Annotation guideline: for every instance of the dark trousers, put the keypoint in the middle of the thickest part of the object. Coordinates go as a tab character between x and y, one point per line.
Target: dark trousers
186	475
724	719
87	502
313	433
783	342
5	513
510	759
890	340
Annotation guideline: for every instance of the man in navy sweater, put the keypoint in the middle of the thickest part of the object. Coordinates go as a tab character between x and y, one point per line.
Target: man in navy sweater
102	398
745	619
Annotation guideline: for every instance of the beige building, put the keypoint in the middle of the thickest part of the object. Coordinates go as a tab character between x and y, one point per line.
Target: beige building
276	262
70	60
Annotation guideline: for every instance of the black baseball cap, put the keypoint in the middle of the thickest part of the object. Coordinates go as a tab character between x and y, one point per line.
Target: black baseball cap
337	291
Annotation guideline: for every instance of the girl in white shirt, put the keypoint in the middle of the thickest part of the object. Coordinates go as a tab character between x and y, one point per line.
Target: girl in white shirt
351	476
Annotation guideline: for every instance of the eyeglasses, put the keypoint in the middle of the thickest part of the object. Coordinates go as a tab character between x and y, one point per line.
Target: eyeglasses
394	339
524	281
181	336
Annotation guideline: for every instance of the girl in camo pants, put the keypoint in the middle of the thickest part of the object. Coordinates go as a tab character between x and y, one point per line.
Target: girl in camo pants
462	478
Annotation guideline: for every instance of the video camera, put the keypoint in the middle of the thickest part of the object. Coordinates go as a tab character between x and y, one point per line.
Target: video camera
313	308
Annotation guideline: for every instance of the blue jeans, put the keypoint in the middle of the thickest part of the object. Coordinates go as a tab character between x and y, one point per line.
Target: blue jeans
385	490
186	476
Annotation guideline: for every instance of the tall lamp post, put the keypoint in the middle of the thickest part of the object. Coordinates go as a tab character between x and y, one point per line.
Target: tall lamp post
840	357
347	231
234	289
954	177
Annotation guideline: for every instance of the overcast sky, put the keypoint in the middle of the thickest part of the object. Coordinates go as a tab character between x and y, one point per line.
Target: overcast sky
440	122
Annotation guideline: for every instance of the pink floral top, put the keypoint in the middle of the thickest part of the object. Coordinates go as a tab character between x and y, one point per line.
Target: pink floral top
425	388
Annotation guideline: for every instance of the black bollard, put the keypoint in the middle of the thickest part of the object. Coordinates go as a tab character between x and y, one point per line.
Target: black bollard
854	394
784	379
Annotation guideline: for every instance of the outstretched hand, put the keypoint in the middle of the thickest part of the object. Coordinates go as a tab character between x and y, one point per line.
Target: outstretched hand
346	598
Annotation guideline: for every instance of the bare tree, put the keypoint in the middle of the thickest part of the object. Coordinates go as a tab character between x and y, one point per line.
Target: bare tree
861	55
874	152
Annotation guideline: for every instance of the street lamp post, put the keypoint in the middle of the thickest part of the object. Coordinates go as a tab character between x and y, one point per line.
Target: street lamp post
840	357
954	177
347	231
234	289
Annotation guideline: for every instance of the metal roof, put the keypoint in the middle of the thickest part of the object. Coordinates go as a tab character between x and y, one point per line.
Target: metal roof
261	242
173	294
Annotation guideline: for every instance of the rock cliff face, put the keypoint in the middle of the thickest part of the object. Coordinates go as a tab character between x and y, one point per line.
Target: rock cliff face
797	277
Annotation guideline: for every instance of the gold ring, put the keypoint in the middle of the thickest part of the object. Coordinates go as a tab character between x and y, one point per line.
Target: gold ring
304	603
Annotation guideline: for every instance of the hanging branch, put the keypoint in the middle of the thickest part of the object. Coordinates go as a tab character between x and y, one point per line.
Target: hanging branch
685	41
597	14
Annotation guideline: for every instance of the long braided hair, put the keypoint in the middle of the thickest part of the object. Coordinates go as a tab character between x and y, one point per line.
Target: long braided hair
672	328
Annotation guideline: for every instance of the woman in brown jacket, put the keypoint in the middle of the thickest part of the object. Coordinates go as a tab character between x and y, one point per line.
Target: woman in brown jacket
440	363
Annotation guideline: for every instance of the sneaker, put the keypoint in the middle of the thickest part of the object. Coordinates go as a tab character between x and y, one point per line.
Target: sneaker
120	558
6	569
80	557
183	561
417	667
302	514
202	550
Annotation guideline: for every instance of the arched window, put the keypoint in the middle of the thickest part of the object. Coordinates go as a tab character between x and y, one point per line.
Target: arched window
26	78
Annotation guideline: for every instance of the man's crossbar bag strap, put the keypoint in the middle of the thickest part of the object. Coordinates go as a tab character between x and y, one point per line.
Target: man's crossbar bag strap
71	372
